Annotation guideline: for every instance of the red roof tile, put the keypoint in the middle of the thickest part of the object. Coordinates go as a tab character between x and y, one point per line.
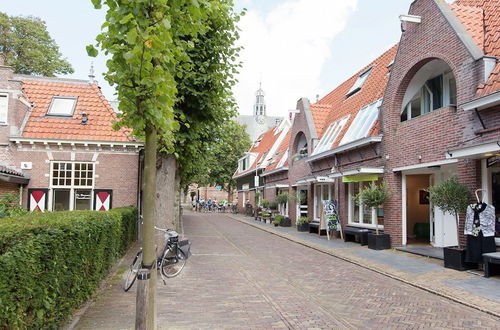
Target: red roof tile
90	100
335	105
485	27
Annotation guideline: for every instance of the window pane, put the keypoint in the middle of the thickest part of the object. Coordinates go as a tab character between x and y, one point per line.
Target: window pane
436	87
415	107
355	191
61	200
62	106
82	199
404	114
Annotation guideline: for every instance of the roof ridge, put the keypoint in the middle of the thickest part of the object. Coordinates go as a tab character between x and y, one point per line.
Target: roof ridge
24	77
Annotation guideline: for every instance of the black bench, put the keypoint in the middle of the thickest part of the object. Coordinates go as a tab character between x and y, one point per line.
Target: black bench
314	228
491	264
356	235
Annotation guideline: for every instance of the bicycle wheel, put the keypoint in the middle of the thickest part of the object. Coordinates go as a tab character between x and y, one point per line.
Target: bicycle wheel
172	265
132	273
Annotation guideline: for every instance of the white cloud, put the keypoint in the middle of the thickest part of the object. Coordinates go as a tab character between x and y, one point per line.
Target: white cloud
286	48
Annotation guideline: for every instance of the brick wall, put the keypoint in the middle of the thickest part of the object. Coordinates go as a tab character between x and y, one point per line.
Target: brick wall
426	138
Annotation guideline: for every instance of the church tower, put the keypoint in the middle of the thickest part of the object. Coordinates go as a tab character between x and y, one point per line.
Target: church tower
259	108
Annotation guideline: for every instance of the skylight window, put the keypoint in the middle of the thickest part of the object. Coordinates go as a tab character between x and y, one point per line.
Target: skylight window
330	135
62	106
359	83
363	122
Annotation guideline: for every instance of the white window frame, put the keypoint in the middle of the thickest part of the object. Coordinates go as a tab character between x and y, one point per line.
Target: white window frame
4	110
362	123
330	135
318	197
358	84
71	187
351	205
56	114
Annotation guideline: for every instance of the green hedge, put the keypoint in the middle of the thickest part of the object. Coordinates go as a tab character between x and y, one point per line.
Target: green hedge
50	263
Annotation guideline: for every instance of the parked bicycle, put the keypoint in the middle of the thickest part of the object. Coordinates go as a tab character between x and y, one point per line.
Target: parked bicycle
170	263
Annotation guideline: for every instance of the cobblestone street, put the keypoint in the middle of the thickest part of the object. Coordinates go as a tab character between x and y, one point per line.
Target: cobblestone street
242	277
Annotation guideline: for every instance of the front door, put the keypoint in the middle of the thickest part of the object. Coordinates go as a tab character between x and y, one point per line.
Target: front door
444	223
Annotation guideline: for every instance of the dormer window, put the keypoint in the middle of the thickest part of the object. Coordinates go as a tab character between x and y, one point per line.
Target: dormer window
62	106
363	122
330	135
359	82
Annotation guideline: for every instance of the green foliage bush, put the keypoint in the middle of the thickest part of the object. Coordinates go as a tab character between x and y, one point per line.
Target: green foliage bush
278	219
50	263
303	220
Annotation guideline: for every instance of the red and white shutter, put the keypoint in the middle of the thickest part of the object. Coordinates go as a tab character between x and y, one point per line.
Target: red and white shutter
102	199
37	200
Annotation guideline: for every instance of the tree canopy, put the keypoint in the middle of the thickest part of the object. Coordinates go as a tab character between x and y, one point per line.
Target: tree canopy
28	47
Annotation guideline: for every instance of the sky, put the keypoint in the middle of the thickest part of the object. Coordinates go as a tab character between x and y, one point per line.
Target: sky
295	48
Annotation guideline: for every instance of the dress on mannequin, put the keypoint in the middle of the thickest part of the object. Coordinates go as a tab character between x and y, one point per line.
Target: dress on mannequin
480	231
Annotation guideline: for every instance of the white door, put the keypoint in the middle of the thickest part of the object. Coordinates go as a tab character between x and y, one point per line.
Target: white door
444	223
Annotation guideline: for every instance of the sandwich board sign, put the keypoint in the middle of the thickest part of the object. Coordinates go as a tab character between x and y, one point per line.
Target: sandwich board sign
331	217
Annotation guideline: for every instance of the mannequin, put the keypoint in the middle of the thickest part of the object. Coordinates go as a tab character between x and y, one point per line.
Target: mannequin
480	229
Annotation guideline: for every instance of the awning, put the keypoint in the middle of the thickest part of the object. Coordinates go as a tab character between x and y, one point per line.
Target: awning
360	178
12	175
477	151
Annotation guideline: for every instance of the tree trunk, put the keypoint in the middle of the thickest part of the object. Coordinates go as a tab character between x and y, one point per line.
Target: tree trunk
149	258
230	194
375	219
165	198
177	205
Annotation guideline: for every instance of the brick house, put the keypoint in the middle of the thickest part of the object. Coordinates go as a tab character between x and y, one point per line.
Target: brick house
446	61
255	161
58	147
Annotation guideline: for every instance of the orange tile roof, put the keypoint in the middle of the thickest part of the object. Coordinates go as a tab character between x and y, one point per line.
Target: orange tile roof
335	105
484	27
266	142
282	149
90	100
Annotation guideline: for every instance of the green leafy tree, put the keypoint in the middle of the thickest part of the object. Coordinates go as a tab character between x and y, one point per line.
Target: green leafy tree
148	42
28	47
451	197
9	206
168	84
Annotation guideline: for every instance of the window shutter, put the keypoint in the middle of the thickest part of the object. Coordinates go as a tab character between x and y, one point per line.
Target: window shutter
37	200
102	199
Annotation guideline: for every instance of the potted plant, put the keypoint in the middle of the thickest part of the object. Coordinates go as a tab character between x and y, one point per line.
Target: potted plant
452	197
282	199
373	196
303	224
277	220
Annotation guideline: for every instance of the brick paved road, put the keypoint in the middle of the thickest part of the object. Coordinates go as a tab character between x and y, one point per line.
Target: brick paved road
242	277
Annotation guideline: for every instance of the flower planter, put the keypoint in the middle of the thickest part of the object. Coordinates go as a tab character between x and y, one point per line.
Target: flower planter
454	258
303	226
287	222
379	242
276	225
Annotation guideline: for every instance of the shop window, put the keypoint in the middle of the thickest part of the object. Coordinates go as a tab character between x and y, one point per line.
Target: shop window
322	192
361	125
359	214
83	199
61	199
330	135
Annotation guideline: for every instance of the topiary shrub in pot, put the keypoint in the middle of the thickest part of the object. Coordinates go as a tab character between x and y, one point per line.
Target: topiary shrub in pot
303	224
373	196
452	197
277	220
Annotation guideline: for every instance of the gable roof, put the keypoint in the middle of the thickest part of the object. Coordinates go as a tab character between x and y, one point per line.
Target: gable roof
41	90
336	105
279	154
481	19
264	147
